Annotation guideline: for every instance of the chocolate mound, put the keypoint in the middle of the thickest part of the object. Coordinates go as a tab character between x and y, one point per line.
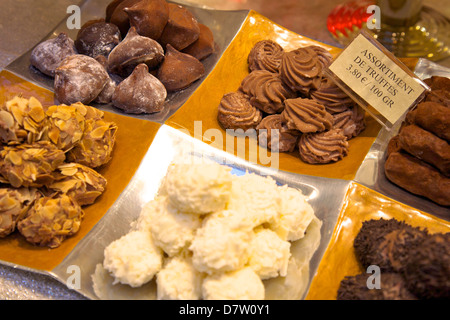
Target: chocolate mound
141	92
97	39
179	70
203	47
272	129
428	270
236	112
149	17
79	78
266	91
306	115
133	50
119	17
181	29
324	147
392	287
47	55
265	55
301	70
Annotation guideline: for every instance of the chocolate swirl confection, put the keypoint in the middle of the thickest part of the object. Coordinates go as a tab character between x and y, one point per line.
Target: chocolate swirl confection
47	55
332	97
323	147
301	70
351	121
265	55
236	112
272	129
324	55
306	115
266	91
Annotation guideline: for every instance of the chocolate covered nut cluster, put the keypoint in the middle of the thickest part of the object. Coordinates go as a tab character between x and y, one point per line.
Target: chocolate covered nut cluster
305	109
165	37
48	162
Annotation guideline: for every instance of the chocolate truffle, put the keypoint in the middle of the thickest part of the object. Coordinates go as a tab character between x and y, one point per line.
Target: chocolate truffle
272	129
181	29
141	92
427	272
118	16
149	17
203	47
392	287
323	147
306	115
265	55
351	121
133	50
236	112
332	97
47	55
79	78
324	56
266	91
179	70
98	38
301	70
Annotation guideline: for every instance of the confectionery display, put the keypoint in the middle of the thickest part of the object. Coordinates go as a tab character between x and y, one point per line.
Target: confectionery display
48	158
348	196
306	110
413	262
204	237
418	158
165	36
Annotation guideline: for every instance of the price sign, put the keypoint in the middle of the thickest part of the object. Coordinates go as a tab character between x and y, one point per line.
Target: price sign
376	79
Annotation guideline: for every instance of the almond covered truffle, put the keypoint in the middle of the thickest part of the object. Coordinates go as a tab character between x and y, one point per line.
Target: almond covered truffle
79	78
179	70
133	50
47	55
141	92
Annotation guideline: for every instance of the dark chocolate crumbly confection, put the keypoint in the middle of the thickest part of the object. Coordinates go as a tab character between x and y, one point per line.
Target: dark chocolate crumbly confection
392	287
427	272
371	231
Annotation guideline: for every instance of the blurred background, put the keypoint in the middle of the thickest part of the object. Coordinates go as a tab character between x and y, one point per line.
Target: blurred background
23	23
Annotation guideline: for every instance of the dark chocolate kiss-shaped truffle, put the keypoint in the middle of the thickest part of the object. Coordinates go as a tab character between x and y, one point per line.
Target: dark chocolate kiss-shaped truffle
120	18
181	29
179	70
140	92
97	39
133	50
47	55
203	47
149	17
79	78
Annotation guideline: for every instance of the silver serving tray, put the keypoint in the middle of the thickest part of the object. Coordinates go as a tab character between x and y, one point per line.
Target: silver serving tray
325	195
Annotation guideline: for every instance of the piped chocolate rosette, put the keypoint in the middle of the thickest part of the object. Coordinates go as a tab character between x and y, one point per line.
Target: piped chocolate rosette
332	97
236	112
266	91
265	55
306	115
324	147
272	129
301	70
352	121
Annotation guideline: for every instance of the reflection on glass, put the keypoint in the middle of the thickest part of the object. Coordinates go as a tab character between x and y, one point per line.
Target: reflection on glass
407	28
